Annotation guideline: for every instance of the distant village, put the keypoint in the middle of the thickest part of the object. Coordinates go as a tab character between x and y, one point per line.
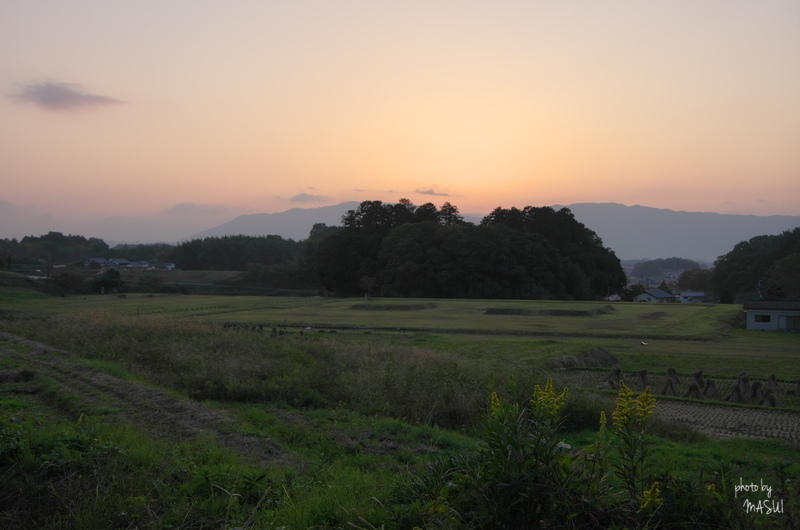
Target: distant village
121	263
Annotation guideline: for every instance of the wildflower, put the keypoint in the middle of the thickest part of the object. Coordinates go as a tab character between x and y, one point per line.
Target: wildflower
652	497
623	413
630	409
494	405
545	402
645	405
603	423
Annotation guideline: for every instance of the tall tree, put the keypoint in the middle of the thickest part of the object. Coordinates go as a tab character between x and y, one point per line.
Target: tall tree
601	272
783	278
696	280
743	269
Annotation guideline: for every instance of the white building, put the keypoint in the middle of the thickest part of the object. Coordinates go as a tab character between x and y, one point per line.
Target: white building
764	315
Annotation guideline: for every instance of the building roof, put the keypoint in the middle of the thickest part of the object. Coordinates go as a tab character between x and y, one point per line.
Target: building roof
772	305
701	298
658	293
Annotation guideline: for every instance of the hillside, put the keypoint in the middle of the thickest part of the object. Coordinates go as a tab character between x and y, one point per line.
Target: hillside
633	232
641	232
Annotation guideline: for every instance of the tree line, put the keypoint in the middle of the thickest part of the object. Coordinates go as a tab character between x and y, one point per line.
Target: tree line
410	251
404	250
50	248
660	266
765	267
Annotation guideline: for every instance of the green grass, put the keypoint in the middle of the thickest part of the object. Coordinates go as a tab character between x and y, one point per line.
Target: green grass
14	296
688	321
111	369
354	409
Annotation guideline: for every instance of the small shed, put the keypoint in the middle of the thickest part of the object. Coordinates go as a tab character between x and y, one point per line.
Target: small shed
766	315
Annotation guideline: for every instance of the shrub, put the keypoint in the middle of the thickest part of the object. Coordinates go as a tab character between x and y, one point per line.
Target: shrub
523	476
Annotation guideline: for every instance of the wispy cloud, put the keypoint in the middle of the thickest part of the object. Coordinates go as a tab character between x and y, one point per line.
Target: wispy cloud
431	192
307	197
61	96
191	208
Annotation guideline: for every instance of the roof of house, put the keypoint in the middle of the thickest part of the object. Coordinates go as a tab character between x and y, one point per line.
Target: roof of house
700	298
772	305
657	293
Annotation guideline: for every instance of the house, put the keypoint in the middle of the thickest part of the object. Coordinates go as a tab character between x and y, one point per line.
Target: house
694	297
95	263
118	263
654	296
765	315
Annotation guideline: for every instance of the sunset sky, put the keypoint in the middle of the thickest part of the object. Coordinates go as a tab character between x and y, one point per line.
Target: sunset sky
174	117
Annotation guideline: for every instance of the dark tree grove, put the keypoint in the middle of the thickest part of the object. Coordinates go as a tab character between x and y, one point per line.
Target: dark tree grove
760	268
386	249
53	247
233	253
425	252
660	266
152	252
594	269
696	280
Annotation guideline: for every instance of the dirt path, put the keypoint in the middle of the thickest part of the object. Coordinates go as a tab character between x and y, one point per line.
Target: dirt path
158	412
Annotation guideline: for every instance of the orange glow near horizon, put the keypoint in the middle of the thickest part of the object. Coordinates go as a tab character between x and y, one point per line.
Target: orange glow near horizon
120	110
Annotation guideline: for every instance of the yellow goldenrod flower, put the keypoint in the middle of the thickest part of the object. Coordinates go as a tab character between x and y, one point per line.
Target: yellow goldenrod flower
645	405
632	409
495	403
623	413
545	402
652	497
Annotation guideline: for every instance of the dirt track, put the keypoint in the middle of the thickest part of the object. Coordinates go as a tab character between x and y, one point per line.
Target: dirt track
159	413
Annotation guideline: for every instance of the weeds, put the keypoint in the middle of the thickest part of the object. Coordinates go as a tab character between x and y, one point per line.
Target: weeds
524	476
523	473
210	363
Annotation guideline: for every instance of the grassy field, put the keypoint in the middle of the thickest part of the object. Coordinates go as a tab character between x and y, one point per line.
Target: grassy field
349	410
682	336
675	320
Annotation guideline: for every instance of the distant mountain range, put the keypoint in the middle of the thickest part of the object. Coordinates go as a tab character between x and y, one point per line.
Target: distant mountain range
292	224
632	232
